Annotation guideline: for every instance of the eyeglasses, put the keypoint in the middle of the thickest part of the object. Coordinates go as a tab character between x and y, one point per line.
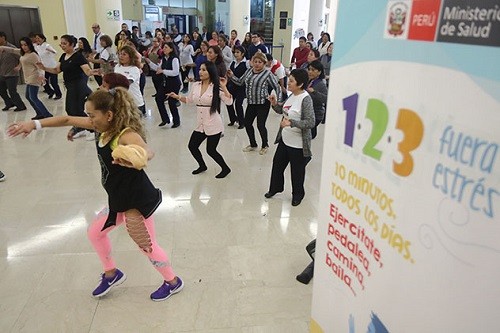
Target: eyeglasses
95	27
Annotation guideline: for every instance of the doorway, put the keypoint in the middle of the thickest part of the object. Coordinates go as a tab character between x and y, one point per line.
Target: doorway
18	22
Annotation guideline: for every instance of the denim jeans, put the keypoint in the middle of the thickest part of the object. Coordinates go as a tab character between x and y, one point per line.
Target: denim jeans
32	97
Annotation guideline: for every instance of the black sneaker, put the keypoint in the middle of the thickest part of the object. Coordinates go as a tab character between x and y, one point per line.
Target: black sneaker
6	108
2	176
19	109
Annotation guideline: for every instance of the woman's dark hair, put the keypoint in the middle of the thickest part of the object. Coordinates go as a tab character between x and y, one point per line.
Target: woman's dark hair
301	77
316	52
204	42
86	45
223	38
327	35
107	40
148	34
215	80
70	39
311	46
173	53
42	36
240	48
161	32
132	53
316	64
29	43
218	52
116	80
188	36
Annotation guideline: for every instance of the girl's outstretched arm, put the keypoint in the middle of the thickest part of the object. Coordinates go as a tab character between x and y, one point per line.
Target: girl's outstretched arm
26	127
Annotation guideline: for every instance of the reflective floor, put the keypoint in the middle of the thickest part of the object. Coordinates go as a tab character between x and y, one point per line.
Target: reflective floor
237	252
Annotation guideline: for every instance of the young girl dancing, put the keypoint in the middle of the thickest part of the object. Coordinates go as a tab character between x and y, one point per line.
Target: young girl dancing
132	198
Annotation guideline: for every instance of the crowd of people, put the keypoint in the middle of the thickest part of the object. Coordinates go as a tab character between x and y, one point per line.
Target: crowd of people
207	70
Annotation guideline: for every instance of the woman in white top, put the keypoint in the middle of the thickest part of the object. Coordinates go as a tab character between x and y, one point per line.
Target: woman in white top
129	66
294	137
186	53
325	42
106	58
47	55
227	53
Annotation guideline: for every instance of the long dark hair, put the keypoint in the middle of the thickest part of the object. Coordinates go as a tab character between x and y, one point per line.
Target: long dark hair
86	45
215	80
316	64
218	52
29	43
171	45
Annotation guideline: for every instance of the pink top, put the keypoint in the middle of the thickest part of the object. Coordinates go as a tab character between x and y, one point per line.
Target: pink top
207	123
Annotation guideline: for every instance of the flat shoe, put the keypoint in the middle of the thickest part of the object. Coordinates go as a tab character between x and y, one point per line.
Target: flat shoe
199	170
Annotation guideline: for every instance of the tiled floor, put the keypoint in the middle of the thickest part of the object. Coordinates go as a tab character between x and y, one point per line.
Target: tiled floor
237	252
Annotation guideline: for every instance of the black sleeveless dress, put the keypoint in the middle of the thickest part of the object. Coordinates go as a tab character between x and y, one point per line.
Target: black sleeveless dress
127	188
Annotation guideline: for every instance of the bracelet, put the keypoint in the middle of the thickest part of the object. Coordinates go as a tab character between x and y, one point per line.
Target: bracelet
38	125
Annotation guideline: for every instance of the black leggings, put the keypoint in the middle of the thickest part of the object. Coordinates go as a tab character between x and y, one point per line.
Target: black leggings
238	97
184	75
259	111
197	139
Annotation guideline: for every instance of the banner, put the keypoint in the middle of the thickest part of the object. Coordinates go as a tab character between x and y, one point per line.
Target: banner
409	213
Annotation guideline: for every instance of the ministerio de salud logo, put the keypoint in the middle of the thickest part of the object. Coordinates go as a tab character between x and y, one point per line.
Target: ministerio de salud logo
396	20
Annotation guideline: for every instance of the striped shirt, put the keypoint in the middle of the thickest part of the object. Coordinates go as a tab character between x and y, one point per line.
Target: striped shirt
257	85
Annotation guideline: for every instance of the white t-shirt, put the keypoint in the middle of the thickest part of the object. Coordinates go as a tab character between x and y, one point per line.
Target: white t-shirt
280	71
104	55
48	58
227	54
292	109
133	74
323	48
185	53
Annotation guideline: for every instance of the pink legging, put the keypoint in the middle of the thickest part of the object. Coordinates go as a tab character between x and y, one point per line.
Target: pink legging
102	245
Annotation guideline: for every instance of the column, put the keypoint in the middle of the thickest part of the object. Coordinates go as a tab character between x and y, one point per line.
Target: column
239	18
316	18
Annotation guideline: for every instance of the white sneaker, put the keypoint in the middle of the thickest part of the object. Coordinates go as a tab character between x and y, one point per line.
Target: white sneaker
90	136
80	134
249	148
264	150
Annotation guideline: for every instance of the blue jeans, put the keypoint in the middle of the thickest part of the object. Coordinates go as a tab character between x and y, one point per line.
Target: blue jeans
32	97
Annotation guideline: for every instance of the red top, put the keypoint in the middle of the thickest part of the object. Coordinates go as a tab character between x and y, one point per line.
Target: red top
300	56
